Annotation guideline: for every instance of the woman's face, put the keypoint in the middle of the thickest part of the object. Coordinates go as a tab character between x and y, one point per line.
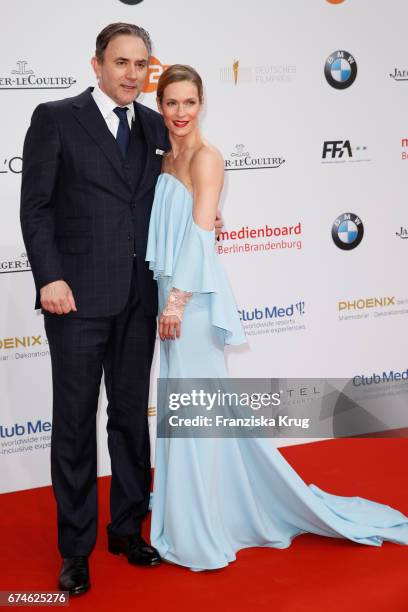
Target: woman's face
180	107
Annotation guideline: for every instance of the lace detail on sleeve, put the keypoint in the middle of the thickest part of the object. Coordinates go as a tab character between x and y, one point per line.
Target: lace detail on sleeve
176	302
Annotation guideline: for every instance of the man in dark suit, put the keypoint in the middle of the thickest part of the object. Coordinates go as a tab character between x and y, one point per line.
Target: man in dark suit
90	165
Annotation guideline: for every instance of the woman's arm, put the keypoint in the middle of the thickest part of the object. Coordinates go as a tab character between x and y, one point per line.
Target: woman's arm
207	174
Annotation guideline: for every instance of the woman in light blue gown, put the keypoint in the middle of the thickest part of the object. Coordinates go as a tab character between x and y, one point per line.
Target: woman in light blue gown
212	496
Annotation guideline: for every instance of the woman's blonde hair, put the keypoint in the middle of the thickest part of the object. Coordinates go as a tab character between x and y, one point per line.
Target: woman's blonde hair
177	73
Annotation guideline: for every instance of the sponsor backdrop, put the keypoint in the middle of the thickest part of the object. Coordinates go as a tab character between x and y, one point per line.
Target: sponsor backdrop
308	103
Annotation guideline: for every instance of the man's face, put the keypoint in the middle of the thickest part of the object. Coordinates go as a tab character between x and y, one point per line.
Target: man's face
123	71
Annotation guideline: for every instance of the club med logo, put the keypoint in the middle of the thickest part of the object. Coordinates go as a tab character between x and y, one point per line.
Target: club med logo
403	233
347	231
240	159
384	377
154	72
272	312
13	265
246	239
25	78
364	303
269	74
29	428
13	165
341	151
399	75
340	69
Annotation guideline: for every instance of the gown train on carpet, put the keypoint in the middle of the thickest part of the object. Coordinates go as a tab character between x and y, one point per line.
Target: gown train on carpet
213	496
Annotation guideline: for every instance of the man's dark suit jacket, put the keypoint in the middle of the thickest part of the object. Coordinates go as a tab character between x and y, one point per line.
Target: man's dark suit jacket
83	215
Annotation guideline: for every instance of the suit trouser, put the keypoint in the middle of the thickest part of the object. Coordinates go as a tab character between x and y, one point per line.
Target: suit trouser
81	348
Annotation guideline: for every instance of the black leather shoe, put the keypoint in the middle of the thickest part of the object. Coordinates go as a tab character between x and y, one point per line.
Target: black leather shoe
74	576
137	551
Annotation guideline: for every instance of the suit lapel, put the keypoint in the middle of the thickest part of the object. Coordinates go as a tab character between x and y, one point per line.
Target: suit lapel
88	114
148	173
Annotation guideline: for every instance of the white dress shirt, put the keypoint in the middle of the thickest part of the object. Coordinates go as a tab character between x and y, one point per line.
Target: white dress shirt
106	106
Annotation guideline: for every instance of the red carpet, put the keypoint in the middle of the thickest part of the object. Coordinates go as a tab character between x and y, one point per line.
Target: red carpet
314	574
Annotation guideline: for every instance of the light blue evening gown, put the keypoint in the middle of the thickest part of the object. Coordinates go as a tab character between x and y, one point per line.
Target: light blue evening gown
213	497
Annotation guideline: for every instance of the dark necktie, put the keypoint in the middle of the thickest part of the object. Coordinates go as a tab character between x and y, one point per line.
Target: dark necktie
123	134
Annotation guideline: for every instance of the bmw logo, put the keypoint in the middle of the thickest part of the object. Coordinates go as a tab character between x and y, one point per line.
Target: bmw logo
347	231
340	69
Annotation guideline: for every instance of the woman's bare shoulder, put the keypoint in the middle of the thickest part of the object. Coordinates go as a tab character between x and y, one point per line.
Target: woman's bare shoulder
207	158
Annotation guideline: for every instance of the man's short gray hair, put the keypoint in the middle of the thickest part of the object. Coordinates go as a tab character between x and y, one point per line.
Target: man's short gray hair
116	29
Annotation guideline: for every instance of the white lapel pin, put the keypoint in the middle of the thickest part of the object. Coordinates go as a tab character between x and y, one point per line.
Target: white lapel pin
159	152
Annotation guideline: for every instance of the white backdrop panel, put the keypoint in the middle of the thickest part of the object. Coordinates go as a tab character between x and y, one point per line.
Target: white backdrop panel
281	107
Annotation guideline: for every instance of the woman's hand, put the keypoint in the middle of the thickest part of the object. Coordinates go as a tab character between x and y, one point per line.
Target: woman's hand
169	327
170	318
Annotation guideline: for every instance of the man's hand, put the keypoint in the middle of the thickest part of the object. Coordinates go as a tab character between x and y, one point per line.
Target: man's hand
57	298
218	225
